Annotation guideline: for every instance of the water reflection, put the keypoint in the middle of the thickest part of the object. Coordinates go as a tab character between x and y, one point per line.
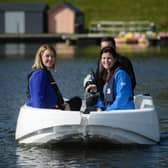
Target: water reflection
22	50
14	49
93	156
19	50
132	47
64	50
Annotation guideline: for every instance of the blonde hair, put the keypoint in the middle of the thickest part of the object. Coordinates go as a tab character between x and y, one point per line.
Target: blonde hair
38	61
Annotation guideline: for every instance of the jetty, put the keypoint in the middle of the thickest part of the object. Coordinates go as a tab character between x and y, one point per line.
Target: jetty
50	37
90	38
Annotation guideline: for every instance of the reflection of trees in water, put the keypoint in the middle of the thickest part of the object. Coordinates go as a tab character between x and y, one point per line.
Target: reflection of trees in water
164	93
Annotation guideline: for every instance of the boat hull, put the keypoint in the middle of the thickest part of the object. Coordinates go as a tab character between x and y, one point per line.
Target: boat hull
40	126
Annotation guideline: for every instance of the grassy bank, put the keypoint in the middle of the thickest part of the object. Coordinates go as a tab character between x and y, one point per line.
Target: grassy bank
114	10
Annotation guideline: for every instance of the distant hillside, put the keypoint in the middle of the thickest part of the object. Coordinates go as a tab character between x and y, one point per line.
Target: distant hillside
115	10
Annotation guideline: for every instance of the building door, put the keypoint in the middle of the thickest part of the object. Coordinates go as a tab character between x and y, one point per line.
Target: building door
14	22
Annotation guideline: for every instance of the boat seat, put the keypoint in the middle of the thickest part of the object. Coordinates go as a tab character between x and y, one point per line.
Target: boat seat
143	101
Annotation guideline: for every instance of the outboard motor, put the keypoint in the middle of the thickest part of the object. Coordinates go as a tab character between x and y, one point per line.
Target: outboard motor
91	93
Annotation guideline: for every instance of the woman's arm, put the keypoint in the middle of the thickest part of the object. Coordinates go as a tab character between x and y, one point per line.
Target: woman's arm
122	91
38	82
100	104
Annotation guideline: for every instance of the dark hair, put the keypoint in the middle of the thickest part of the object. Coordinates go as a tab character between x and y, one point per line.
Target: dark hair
101	72
103	75
110	50
109	39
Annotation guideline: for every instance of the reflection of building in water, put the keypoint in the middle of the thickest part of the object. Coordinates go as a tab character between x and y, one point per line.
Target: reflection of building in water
19	50
64	50
28	50
14	49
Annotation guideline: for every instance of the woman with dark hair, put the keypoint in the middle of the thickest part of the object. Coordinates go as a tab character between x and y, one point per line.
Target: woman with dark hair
93	82
114	82
124	61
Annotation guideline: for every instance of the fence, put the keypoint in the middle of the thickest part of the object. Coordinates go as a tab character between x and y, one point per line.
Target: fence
114	27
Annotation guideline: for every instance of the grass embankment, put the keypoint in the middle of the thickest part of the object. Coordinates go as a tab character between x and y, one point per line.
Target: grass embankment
114	10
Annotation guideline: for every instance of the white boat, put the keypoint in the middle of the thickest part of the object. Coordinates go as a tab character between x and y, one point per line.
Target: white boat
138	126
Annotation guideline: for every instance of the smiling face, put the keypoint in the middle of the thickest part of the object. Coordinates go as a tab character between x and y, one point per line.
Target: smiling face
107	60
48	59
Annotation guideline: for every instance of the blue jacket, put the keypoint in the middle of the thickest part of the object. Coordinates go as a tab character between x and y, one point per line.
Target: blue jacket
42	94
120	91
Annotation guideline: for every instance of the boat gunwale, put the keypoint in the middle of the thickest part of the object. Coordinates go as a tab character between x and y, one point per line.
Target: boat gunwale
146	109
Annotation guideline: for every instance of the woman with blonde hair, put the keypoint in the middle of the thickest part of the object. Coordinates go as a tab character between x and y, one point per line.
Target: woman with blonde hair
43	91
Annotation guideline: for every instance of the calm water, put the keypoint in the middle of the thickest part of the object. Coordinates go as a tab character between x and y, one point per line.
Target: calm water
152	77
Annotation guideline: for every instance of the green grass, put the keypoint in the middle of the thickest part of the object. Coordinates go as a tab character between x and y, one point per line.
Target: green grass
115	10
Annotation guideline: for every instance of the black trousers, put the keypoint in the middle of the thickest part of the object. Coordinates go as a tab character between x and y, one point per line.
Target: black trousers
75	103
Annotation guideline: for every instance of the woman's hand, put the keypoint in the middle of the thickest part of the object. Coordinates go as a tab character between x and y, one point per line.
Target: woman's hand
91	88
57	106
99	109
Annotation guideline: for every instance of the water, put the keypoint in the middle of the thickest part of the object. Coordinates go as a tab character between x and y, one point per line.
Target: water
152	77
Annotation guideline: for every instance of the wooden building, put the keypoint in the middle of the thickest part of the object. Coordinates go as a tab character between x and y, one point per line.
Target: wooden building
23	17
65	18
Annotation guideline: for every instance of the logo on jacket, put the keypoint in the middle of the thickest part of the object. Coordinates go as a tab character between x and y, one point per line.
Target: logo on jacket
108	91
